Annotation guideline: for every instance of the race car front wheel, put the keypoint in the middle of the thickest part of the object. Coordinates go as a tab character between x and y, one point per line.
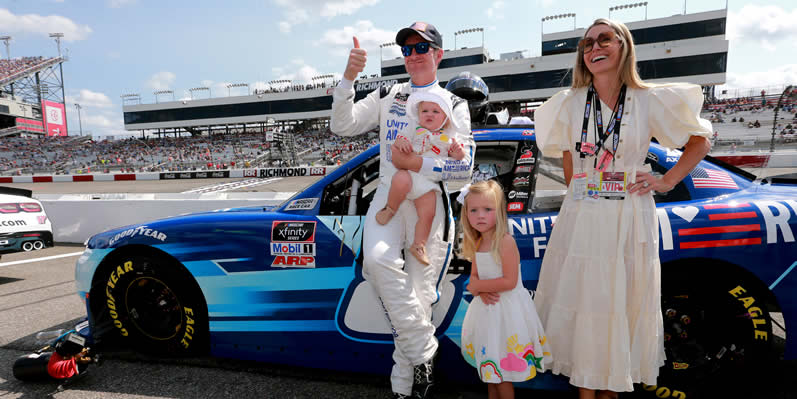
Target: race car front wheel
155	306
713	333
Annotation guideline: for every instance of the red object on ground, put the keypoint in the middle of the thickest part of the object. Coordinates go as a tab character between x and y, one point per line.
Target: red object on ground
61	368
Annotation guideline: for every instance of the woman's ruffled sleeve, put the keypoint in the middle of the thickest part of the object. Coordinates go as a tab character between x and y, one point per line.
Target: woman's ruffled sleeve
674	114
552	125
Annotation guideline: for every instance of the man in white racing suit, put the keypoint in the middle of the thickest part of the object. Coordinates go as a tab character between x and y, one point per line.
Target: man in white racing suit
407	288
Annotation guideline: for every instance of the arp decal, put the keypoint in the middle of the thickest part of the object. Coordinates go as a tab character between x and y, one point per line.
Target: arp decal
294	261
523	169
292	231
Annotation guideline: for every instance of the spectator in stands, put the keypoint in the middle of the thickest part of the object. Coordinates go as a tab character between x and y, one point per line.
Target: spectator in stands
756	123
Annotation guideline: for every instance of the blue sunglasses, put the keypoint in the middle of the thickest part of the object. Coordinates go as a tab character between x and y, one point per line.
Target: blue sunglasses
420	48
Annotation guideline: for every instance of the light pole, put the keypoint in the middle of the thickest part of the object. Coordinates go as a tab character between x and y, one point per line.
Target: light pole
57	37
201	88
6	39
789	93
469	30
630	5
383	45
560	16
78	117
159	92
237	85
131	96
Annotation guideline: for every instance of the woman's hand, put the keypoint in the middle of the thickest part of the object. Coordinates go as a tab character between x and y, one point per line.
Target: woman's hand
646	182
489	298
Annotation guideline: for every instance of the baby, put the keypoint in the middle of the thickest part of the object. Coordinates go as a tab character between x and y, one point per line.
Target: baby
431	112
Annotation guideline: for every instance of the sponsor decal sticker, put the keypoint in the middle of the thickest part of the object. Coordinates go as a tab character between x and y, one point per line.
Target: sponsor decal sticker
294	261
526	157
514	207
523	169
303	204
138	231
292	248
517	194
292	231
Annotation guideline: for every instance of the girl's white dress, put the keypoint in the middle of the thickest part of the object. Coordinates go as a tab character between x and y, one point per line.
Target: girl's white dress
504	341
599	294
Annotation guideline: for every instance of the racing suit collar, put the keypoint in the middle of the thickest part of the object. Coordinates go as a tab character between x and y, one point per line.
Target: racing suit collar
415	87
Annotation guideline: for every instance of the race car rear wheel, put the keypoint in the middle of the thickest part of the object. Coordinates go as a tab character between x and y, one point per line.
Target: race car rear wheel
155	306
713	332
27	246
38	244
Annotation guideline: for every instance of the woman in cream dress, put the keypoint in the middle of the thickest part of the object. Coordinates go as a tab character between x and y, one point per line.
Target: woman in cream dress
600	288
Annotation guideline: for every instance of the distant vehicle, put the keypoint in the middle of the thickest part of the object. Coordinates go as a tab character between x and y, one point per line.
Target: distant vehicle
24	226
284	284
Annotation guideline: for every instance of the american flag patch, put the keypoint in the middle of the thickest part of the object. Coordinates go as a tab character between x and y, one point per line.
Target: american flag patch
728	226
710	178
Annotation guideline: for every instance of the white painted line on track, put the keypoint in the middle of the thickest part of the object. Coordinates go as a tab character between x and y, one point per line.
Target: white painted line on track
17	262
222	187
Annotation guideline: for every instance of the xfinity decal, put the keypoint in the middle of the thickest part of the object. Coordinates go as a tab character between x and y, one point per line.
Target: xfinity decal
292	231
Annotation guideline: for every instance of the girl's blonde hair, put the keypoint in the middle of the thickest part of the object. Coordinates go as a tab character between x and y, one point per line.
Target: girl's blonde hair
626	70
489	188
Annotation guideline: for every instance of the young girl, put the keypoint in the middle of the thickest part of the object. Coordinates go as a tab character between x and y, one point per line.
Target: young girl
502	336
430	111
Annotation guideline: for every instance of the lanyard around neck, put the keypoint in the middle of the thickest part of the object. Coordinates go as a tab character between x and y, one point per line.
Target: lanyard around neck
614	126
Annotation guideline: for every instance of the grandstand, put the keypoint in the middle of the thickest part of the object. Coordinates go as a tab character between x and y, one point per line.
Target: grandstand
32	97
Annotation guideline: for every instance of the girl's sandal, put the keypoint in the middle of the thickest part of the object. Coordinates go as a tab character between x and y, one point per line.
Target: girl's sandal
384	215
419	252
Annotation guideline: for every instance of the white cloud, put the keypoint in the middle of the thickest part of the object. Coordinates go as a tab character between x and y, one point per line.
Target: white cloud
121	3
773	80
96	121
545	3
496	10
88	98
762	24
370	37
161	80
300	73
42	25
301	11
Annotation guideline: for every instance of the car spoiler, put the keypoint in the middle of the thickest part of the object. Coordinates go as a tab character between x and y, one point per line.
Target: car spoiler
16	191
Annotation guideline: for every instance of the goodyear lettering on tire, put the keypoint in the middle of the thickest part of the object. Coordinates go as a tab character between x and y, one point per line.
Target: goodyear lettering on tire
111	300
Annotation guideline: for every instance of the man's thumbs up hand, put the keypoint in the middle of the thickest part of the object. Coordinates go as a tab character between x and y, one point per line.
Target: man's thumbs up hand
357	59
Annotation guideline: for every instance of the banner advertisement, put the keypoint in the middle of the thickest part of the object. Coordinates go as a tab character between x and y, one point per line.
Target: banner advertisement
55	118
195	175
30	125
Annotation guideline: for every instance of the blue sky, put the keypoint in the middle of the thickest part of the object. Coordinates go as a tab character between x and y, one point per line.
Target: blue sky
138	46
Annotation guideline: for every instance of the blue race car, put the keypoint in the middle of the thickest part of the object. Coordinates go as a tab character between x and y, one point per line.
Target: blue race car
284	284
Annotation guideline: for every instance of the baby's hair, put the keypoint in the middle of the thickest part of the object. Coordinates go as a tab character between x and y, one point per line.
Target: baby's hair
472	236
448	117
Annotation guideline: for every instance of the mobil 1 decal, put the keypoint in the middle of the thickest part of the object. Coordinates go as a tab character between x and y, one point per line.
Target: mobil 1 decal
293	243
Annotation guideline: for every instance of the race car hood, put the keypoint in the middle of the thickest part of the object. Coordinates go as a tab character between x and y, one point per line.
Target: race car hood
250	220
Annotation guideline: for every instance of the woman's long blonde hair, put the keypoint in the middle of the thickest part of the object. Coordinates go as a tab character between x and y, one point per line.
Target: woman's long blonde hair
472	238
627	70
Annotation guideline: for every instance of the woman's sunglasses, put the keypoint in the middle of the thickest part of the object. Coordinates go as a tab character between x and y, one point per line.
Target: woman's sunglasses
604	40
420	48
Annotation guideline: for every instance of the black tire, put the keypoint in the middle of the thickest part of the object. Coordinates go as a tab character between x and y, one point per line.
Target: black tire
151	305
714	333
